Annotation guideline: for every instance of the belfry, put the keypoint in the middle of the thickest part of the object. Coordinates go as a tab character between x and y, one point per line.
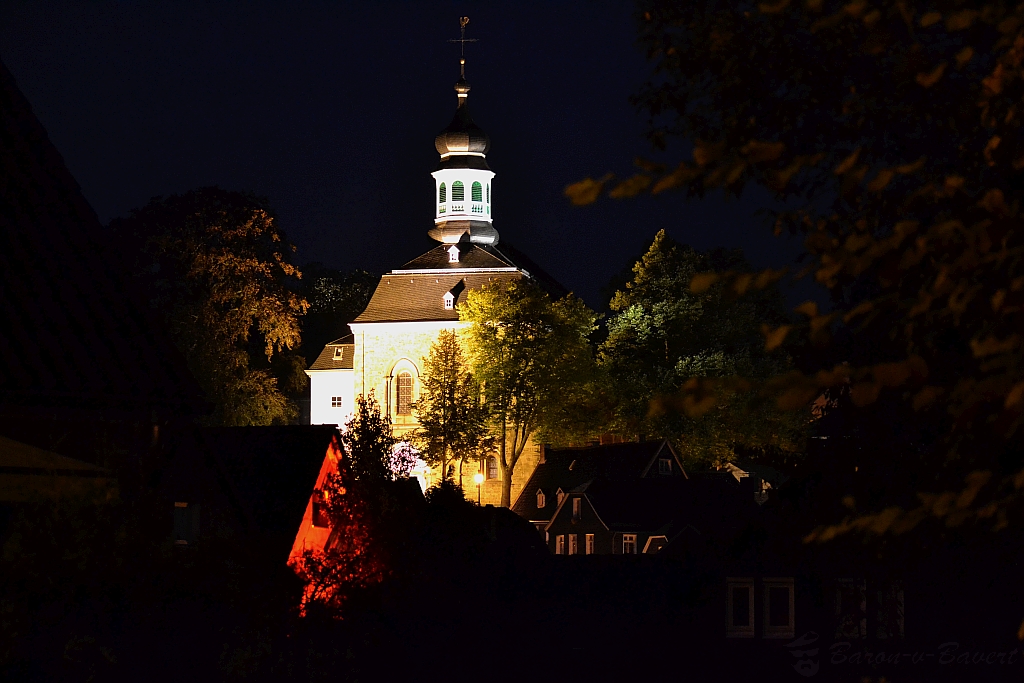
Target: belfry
413	303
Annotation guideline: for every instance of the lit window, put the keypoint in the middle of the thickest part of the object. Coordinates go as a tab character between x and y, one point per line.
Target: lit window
338	353
559	496
477	192
574	548
492	467
590	544
629	544
664	466
541	499
442	194
404	402
335	401
778	608
458	191
577	508
559	544
739	608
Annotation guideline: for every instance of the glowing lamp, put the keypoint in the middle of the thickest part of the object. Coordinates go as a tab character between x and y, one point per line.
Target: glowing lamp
478	478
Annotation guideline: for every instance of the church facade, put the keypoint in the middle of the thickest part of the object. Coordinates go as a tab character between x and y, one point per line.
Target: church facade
414	303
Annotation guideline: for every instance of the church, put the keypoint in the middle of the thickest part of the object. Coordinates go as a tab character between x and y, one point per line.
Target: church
412	304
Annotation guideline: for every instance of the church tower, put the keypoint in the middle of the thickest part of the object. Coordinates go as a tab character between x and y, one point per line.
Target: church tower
412	304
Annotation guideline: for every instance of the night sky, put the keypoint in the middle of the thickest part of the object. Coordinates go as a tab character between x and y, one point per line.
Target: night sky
329	110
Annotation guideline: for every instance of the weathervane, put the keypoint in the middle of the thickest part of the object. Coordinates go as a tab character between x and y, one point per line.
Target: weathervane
462	40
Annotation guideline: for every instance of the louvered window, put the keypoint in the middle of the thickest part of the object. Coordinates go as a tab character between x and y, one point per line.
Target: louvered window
478	192
458	191
442	194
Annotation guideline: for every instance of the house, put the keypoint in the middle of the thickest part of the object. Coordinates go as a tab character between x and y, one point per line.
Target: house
250	485
29	474
564	469
412	304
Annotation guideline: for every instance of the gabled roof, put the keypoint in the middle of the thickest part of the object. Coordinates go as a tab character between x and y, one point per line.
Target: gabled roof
568	468
72	332
338	355
471	256
415	298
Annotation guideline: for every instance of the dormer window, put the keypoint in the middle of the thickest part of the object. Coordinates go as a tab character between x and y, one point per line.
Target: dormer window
559	496
664	466
338	353
541	499
449	301
453	254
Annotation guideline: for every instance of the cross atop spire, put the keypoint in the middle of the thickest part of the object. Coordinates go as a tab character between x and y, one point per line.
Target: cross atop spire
462	40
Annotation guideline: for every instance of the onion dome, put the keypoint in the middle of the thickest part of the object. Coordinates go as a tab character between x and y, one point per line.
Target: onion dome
463	144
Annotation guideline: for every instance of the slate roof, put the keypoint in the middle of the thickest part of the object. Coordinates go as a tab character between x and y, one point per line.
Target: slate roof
71	331
470	256
568	468
409	298
338	355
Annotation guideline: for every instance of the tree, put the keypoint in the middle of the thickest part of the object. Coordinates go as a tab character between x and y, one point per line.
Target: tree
335	298
895	130
374	454
526	350
452	418
214	265
662	335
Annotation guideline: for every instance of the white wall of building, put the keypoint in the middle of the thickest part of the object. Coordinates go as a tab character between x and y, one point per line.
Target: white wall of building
326	385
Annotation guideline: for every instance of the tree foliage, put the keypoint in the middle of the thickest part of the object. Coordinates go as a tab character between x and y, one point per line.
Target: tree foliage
527	351
662	335
895	129
335	298
374	453
452	418
215	266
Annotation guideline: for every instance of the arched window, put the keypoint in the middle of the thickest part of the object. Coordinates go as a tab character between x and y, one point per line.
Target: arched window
478	192
541	499
492	467
458	191
443	194
403	401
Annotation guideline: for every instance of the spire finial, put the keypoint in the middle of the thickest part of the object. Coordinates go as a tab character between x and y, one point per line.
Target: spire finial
462	40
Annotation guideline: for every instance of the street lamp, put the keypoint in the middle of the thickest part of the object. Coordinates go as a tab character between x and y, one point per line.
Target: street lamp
479	479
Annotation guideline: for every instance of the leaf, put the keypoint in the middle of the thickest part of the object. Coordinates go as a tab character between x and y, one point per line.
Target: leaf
649	166
773	8
881	180
705	152
958	21
808	308
927	80
993	202
964	56
681	176
773	338
891	374
864	393
859	309
930	18
847	163
702	282
742	283
926	397
757	152
993	345
911	168
993	143
587	190
631	187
